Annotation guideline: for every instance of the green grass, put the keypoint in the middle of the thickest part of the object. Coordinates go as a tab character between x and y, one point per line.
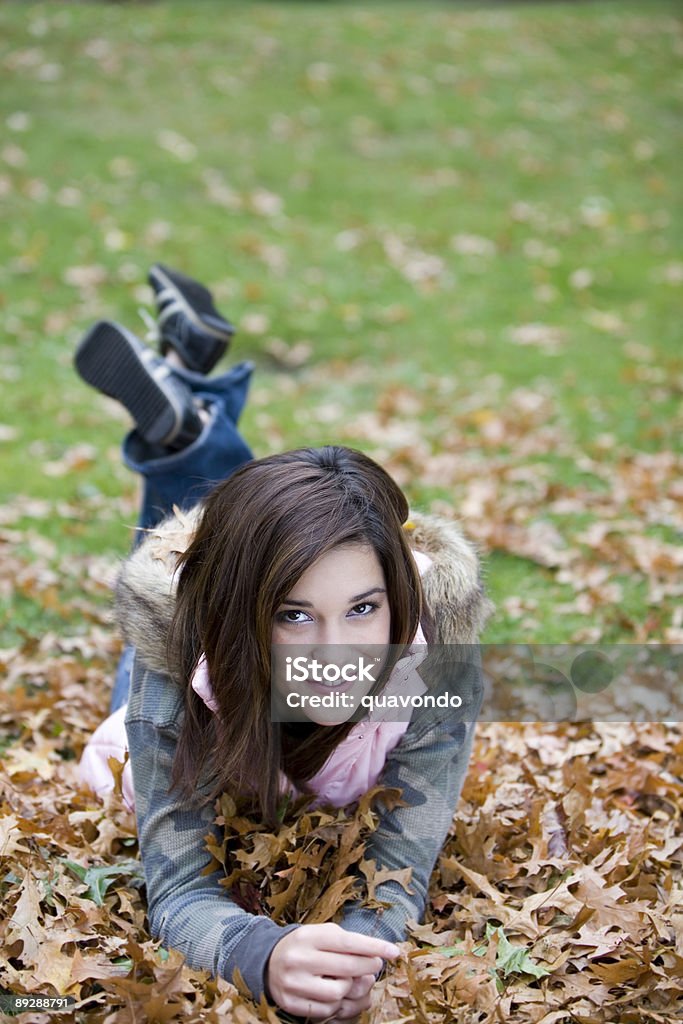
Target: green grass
322	165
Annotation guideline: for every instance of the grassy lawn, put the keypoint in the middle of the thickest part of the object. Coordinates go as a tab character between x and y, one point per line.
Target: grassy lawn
448	234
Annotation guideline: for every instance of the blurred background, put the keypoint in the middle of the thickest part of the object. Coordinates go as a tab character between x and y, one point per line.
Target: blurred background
448	234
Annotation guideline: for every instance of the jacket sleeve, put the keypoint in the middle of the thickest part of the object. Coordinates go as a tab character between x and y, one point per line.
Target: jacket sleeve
429	767
188	910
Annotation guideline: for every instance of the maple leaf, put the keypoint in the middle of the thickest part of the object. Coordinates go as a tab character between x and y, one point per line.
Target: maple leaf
10	836
98	879
511	959
25	921
378	876
52	967
332	899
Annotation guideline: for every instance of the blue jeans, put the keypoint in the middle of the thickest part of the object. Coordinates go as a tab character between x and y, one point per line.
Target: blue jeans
184	477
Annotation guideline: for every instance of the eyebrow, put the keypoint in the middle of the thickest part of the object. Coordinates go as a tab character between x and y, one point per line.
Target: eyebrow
352	600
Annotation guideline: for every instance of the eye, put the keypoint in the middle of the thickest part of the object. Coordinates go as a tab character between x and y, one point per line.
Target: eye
291	615
365	608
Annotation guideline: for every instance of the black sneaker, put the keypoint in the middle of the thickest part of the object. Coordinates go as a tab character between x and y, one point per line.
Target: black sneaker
188	320
117	363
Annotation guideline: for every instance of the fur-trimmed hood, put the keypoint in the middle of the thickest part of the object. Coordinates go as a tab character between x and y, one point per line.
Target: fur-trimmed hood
145	589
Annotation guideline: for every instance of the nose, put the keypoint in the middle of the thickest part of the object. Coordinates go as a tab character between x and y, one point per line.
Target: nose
329	637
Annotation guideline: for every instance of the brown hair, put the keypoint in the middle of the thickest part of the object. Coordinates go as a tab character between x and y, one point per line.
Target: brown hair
260	530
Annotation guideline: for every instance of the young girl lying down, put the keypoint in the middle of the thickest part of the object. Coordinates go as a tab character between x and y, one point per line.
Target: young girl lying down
313	548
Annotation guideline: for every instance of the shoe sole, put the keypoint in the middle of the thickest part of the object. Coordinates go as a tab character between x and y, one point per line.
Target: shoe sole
193	299
114	362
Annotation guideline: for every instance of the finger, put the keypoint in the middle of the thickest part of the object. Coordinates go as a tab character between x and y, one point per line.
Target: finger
349	1009
344	965
336	940
310	1008
360	987
304	985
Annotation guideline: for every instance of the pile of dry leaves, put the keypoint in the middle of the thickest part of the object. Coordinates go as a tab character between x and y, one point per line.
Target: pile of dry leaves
557	896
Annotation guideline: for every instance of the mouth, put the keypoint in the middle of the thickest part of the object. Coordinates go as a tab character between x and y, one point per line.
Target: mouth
339	686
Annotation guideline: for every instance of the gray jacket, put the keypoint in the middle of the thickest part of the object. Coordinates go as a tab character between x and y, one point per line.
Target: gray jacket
190	911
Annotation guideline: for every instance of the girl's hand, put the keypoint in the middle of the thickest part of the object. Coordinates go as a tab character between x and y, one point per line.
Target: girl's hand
320	970
358	998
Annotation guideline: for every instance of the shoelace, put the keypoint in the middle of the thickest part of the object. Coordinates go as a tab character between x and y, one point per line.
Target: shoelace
153	333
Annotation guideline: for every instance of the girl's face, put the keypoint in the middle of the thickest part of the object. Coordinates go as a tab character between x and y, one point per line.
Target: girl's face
341	600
